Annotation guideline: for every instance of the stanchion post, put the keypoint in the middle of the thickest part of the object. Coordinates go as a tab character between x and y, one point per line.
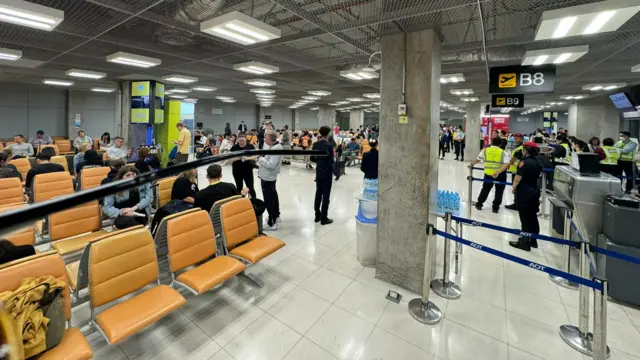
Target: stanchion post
444	287
579	337
543	209
458	254
600	349
422	309
566	255
470	192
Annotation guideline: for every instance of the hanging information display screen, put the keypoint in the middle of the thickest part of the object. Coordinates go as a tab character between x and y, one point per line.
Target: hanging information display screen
159	104
140	102
522	79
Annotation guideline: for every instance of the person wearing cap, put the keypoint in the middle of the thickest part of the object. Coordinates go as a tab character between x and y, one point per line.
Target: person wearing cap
628	151
494	158
516	156
525	187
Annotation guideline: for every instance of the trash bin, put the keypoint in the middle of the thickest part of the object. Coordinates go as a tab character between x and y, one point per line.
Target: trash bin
366	232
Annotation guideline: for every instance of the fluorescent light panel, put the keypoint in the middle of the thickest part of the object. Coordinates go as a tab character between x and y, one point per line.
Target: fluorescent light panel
319	93
606	87
178	96
635	68
555	56
461	91
260	82
598	17
224	98
85	74
132	59
359	74
311	98
240	28
28	14
372	95
104	90
255	67
263	91
10	54
451	78
58	82
572	97
204	88
180	90
179	79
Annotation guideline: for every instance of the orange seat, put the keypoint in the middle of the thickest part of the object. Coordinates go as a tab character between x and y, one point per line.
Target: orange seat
92	177
23	165
241	232
54	147
73	345
50	185
164	191
191	241
62	160
25	236
64	146
72	229
10	191
119	266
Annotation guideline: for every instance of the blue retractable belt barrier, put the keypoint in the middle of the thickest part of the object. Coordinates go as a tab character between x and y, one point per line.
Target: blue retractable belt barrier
492	181
549	270
552	239
510	172
513	231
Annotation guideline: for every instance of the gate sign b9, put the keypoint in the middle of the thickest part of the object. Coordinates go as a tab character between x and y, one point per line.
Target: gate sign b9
507	101
522	79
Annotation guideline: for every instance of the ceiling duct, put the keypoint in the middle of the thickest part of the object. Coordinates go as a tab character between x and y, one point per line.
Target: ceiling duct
494	55
196	11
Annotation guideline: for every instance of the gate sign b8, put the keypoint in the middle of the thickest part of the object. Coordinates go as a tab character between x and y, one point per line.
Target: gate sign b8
522	79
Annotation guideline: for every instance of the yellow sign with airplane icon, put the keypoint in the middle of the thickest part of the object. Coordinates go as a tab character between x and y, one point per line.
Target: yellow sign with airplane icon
507	80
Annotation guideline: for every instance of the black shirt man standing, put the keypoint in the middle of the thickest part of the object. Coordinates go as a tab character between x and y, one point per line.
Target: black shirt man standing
324	178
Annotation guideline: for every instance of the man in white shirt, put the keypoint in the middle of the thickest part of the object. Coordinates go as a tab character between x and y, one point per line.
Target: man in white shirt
117	151
458	142
81	139
268	174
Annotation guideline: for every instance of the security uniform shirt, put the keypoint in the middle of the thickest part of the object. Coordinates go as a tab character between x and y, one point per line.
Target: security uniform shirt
529	169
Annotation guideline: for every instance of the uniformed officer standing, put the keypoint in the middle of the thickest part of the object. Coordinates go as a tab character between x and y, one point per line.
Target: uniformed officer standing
609	164
525	187
494	158
516	156
628	151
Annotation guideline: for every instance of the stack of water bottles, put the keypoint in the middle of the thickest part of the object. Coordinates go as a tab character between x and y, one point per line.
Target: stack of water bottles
370	191
448	201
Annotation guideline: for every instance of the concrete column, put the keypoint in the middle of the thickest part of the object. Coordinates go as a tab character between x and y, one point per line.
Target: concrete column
472	131
326	116
408	167
356	118
593	117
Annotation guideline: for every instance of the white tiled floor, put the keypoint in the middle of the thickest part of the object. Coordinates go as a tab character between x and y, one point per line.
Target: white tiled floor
319	303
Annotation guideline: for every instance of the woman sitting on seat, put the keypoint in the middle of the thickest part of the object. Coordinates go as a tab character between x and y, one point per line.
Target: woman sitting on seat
130	207
91	159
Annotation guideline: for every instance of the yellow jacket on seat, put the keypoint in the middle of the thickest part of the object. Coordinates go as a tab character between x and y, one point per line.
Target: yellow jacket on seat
23	306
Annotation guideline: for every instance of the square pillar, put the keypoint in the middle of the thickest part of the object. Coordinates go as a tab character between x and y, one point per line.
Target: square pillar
356	118
594	117
408	167
472	131
326	116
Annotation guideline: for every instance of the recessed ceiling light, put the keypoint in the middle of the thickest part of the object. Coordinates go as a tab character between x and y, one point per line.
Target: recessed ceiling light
10	54
191	100
597	17
224	98
57	82
319	92
28	14
355	99
182	79
104	90
635	68
260	82
359	74
311	98
263	91
315	108
240	28
376	103
203	88
372	95
572	97
461	91
597	87
451	78
229	101
85	74
255	67
555	55
133	60
265	96
469	99
178	96
343	102
180	90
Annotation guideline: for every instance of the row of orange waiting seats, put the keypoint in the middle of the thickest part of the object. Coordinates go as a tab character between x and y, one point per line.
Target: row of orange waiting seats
122	263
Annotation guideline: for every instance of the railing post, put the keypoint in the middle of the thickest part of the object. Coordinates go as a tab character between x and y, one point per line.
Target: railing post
578	337
458	254
566	255
444	287
600	349
422	309
470	192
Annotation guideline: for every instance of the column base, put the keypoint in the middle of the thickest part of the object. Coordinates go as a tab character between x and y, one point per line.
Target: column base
447	290
428	313
579	341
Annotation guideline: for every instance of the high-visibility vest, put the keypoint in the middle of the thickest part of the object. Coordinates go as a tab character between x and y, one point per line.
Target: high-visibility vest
493	159
514	166
567	158
612	153
625	156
